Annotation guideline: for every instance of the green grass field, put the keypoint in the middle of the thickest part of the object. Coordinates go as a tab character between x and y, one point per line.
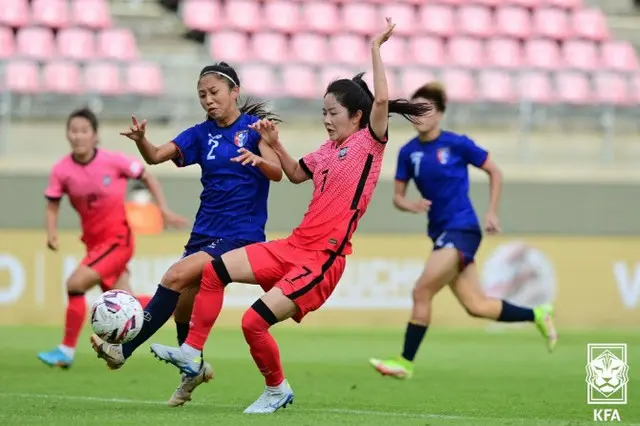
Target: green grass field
462	378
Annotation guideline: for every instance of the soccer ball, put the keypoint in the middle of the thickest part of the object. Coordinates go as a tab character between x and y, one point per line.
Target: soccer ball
117	316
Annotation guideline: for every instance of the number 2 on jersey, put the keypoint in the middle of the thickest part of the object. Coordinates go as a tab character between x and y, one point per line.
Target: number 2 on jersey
213	144
324	179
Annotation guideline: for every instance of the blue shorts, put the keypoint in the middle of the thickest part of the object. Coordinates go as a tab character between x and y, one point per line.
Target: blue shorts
466	242
214	247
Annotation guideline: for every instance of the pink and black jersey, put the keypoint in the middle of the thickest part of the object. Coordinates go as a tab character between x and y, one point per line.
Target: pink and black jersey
344	178
97	191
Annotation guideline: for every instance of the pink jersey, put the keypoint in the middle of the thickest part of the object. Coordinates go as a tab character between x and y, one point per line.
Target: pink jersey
344	178
97	191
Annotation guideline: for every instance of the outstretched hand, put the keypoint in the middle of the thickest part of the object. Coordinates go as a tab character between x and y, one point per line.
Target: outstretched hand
268	131
136	131
381	38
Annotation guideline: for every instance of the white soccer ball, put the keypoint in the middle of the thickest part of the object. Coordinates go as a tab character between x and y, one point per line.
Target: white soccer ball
117	316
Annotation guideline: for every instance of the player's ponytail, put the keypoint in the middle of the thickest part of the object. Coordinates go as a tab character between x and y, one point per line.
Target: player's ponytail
354	94
259	109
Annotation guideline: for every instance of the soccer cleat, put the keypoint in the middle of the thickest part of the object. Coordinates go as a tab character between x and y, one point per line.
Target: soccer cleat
175	356
188	384
111	353
543	315
272	399
399	367
56	358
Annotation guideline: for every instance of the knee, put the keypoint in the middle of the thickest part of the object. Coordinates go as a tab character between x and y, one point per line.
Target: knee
176	278
76	285
215	275
257	318
422	294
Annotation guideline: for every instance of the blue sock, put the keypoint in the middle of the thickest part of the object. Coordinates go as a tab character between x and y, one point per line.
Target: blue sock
156	314
182	331
412	340
513	313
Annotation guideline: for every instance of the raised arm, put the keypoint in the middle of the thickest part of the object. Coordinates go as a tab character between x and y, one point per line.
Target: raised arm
150	153
379	118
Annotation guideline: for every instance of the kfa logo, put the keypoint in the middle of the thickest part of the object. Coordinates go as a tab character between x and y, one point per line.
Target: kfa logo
241	138
106	180
607	378
343	153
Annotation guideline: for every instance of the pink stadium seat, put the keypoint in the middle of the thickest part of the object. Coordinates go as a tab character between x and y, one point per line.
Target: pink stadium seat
244	15
474	21
300	81
513	22
403	14
460	85
62	77
118	43
503	53
76	43
573	88
14	13
535	87
451	2
94	14
611	88
349	49
144	78
395	52
22	77
412	79
282	15
259	80
428	51
35	43
619	56
334	72
635	84
465	52
310	48
531	4
580	55
360	18
7	43
392	82
590	24
563	4
50	13
201	15
103	78
229	46
543	54
269	47
551	23
321	16
496	86
437	19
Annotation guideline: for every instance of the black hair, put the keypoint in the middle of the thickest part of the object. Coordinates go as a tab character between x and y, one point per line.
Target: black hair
354	94
229	75
87	114
434	92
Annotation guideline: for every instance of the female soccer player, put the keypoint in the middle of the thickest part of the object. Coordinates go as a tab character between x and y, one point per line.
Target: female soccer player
233	203
300	272
437	162
96	182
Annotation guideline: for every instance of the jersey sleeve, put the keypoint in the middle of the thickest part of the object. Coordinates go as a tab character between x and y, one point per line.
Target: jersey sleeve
403	169
55	187
130	168
310	161
472	153
188	148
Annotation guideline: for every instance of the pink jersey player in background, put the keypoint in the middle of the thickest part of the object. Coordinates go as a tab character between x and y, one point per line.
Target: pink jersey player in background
95	181
300	272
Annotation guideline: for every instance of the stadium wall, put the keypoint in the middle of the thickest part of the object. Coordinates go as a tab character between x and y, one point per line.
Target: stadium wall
594	281
528	207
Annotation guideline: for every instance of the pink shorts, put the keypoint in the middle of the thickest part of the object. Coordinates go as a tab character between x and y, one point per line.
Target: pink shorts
307	277
109	259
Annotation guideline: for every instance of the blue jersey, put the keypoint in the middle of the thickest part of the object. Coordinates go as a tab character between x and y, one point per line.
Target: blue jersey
439	169
233	202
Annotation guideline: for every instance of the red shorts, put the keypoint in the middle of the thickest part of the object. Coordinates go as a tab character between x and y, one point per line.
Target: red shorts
307	277
109	259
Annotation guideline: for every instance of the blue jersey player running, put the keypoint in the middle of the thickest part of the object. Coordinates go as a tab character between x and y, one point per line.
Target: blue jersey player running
437	161
236	169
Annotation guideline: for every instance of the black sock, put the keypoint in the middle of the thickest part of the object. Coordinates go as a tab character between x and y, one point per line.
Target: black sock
156	314
182	331
412	340
513	313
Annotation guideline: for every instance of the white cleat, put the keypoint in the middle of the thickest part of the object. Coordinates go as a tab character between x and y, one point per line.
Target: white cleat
178	358
182	395
111	353
272	399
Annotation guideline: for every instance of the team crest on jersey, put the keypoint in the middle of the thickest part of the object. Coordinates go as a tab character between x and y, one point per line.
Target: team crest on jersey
343	153
106	180
241	138
443	155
